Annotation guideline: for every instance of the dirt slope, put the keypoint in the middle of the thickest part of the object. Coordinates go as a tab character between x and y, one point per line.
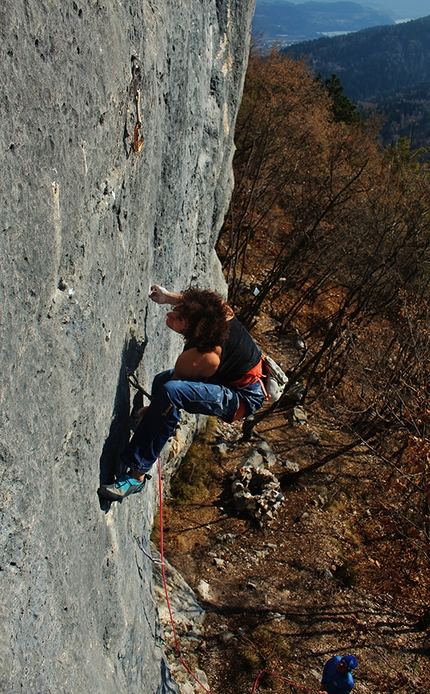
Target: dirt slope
312	584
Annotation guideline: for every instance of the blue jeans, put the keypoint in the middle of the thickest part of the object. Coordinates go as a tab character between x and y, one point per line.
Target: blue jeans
163	413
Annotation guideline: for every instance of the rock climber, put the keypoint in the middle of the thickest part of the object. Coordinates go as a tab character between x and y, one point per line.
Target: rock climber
337	677
218	373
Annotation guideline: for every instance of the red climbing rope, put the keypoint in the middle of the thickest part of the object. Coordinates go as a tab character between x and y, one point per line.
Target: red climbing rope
163	573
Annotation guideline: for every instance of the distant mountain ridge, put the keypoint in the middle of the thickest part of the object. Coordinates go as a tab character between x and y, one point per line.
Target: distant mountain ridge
291	23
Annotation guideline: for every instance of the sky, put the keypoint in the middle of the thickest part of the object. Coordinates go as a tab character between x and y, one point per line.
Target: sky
404	9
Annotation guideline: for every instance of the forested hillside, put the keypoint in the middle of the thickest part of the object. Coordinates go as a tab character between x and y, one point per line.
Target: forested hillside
385	66
373	62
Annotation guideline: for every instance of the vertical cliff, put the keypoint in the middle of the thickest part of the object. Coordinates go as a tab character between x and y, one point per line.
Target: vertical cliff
86	225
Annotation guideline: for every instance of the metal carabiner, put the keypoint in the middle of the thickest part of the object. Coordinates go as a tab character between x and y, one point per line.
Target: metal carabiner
131	378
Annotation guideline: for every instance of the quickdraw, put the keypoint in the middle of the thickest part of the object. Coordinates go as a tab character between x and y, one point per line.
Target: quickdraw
136	72
131	378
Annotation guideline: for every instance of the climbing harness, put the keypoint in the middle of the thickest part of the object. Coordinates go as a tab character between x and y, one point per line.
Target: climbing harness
136	72
131	378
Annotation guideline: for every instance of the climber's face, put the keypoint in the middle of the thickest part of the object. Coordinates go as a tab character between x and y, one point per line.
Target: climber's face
176	322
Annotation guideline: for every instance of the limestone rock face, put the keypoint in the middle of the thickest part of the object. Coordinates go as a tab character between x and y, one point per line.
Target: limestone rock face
87	225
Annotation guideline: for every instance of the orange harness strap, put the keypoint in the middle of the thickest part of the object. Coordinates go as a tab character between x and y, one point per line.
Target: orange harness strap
252	376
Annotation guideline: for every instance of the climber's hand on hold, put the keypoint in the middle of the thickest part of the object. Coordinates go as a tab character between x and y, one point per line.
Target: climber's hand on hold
161	296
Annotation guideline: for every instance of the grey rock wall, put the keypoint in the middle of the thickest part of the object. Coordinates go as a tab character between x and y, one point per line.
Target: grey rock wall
86	226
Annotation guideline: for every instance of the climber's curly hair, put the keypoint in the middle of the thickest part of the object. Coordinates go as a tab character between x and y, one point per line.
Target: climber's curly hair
206	315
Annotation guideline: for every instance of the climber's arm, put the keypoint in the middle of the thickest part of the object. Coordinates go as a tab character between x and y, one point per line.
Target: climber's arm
192	365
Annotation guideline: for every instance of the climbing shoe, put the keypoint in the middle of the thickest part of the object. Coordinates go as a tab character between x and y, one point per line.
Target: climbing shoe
125	485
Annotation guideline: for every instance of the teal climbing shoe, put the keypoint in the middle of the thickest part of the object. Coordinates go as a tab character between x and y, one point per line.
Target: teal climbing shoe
125	485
